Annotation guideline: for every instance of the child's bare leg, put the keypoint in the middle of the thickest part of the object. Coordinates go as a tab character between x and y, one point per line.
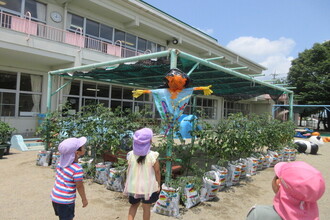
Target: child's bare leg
146	211
132	211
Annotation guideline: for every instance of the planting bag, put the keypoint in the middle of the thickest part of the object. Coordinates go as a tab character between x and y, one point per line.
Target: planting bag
191	196
222	173
243	163
234	173
102	172
43	158
267	161
261	160
252	165
55	160
292	153
211	185
168	202
274	158
116	179
286	155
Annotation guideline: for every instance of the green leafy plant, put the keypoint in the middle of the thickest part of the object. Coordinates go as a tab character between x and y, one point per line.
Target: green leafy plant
103	128
5	132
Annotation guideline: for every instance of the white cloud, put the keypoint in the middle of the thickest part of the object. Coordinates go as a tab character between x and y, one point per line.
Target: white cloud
272	54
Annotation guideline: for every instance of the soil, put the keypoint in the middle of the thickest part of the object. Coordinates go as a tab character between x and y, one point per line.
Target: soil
25	193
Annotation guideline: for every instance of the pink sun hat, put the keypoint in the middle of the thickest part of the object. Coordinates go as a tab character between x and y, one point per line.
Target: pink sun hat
142	141
301	185
68	148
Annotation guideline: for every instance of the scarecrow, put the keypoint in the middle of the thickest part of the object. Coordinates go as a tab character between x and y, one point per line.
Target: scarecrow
172	97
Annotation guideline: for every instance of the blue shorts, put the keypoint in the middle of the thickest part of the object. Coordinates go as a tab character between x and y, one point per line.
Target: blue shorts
153	198
64	211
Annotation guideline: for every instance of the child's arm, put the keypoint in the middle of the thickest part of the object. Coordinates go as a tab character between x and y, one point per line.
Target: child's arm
157	173
81	190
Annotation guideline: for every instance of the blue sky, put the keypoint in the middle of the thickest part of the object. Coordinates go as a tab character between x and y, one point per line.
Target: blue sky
269	32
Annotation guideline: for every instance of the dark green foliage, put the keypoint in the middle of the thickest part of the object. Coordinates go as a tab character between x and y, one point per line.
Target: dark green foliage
103	128
310	73
5	132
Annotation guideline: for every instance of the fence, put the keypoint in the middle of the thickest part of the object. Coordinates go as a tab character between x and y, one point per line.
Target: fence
26	25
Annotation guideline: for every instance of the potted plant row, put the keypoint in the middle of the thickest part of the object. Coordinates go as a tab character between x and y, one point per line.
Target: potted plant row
5	134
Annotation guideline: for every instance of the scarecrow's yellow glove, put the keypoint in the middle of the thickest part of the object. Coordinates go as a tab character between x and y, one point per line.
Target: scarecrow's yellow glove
137	93
206	89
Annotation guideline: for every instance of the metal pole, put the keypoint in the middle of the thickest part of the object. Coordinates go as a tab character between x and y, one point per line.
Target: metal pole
194	127
49	107
231	72
291	106
170	133
112	62
174	59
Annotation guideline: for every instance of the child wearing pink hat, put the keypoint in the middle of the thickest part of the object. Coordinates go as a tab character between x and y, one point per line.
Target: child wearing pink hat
69	177
298	186
143	174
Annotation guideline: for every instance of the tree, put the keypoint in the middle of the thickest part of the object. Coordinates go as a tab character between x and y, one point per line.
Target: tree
310	74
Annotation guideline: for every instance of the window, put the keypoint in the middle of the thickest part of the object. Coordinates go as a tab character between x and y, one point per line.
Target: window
116	92
160	48
92	28
120	35
8	80
28	93
14	5
130	41
75	88
103	90
74	104
29	104
234	107
89	89
127	93
75	23
7	104
98	36
207	106
37	9
151	46
95	93
142	45
106	32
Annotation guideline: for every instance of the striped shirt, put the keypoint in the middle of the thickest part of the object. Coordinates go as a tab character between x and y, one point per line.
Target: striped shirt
64	190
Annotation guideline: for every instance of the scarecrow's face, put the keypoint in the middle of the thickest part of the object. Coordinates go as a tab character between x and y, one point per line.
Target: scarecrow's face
176	82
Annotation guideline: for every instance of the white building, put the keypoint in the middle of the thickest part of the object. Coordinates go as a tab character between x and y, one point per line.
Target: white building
44	35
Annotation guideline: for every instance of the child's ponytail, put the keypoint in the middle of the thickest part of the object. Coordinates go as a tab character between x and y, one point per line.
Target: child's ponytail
141	159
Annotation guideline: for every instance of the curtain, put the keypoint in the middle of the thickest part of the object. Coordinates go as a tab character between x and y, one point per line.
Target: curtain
41	11
36	87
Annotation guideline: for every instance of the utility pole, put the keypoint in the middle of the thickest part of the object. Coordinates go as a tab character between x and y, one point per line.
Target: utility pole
274	75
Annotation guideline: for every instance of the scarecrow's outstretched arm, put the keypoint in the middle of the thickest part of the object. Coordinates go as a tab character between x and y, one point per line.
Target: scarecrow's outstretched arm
137	93
206	89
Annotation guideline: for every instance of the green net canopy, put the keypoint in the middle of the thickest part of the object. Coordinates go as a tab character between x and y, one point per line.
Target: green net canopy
149	74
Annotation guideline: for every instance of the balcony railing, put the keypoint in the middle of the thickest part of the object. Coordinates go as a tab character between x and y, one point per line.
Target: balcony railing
26	25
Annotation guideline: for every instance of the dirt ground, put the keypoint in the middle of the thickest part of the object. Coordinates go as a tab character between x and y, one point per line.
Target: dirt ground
25	190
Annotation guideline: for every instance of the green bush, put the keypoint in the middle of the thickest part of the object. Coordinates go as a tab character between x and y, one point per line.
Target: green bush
5	132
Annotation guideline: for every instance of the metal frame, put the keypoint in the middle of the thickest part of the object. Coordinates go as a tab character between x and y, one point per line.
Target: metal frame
276	107
174	54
